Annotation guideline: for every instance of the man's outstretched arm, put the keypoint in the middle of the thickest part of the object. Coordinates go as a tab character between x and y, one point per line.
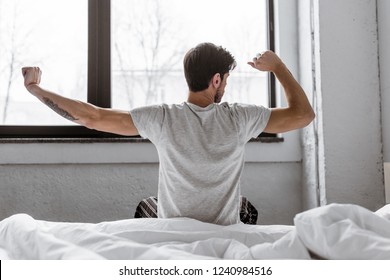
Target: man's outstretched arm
298	112
86	114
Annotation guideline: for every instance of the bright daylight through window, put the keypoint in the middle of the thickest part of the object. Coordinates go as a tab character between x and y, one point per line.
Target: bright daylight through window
149	44
148	41
51	34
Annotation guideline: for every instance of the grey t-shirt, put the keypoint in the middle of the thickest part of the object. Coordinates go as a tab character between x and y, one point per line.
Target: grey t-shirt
201	154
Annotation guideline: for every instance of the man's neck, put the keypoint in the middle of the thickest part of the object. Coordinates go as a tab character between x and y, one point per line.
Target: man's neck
201	98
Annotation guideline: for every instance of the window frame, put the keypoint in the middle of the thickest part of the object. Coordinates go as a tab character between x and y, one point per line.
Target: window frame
99	81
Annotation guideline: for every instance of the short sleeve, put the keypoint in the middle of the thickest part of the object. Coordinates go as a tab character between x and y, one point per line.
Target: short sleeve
149	120
251	119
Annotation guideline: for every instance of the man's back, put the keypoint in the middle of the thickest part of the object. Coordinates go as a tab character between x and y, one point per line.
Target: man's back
201	152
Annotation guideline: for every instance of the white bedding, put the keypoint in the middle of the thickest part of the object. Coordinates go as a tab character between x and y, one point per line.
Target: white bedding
331	232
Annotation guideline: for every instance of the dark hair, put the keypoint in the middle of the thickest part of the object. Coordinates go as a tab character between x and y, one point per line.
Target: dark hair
203	62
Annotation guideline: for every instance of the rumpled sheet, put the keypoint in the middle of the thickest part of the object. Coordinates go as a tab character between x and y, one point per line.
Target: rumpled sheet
340	231
331	232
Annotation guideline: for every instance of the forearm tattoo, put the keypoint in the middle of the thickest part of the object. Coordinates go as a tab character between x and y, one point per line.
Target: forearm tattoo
58	110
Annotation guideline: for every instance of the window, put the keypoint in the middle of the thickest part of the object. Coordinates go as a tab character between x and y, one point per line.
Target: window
133	56
51	34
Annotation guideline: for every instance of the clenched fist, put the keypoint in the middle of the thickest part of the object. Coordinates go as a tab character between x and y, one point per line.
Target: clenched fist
32	76
267	61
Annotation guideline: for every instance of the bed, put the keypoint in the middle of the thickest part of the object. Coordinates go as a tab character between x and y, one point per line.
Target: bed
335	231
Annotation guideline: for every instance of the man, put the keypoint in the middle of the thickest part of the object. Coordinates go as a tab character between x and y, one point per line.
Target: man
200	142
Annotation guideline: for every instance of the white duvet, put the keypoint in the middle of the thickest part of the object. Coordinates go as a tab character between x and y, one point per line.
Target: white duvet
331	232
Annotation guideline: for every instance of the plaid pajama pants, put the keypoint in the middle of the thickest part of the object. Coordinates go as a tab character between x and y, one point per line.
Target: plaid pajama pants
147	208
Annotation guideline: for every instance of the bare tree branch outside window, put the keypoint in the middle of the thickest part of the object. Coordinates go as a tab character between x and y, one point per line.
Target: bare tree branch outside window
153	49
45	33
14	38
151	36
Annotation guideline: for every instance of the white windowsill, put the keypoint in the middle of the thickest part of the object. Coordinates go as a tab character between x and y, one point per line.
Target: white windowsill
130	152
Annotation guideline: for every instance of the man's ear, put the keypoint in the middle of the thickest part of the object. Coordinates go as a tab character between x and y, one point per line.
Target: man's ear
216	80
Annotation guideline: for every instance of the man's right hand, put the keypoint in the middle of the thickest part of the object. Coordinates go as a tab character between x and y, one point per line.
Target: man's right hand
31	75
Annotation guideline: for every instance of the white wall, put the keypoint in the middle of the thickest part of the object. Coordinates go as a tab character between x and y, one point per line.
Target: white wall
348	101
384	62
384	55
98	192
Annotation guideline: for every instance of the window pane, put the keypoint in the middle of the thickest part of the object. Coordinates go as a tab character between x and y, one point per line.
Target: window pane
51	34
150	38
